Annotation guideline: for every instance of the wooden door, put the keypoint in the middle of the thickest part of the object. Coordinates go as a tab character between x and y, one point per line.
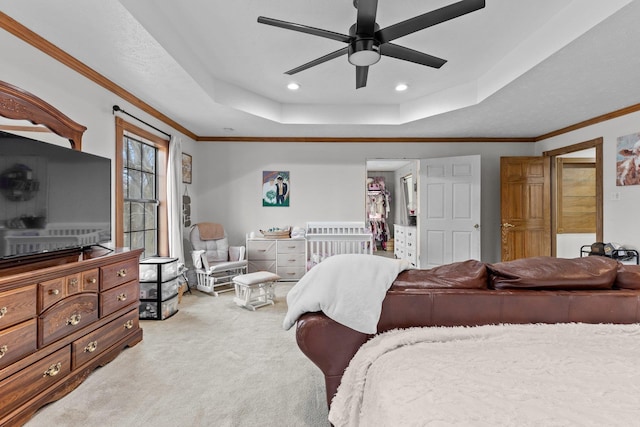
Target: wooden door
449	216
525	200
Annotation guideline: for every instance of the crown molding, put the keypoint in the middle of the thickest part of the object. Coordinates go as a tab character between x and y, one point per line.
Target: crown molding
25	34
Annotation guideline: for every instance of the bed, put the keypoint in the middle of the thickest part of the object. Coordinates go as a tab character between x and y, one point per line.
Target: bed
494	375
326	239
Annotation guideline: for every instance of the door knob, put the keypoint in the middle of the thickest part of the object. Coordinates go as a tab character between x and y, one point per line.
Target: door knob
476	226
507	225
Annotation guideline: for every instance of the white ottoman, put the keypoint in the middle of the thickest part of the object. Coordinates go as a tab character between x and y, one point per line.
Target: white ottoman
255	290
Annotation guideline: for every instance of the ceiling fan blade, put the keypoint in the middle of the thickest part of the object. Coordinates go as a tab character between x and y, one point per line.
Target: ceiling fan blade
428	19
406	54
304	29
366	21
319	61
361	76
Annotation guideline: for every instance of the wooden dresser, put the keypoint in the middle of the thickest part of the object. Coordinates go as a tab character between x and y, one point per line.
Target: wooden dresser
58	323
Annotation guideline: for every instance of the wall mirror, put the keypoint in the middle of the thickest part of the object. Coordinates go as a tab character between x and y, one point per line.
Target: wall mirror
409	187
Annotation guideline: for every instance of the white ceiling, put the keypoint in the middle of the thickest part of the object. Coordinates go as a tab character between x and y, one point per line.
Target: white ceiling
517	68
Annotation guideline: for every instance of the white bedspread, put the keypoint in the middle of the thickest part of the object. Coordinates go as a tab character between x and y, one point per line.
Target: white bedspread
348	288
505	375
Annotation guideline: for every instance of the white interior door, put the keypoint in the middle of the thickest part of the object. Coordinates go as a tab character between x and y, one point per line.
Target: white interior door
449	216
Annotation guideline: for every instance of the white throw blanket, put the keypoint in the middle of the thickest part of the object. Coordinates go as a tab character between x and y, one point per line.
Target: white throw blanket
498	375
348	288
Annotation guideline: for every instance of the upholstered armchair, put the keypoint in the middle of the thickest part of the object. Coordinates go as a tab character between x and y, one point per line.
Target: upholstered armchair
216	262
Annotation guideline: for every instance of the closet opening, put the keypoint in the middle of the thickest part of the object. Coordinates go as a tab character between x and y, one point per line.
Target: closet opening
391	200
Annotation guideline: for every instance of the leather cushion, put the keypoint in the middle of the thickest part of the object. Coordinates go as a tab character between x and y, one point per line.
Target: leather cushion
469	274
628	277
593	272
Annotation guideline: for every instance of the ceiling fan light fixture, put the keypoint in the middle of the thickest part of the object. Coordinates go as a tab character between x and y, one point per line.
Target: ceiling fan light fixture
364	52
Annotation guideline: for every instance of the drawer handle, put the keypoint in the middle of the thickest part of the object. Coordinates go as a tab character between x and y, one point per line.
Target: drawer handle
91	347
122	297
74	319
54	291
73	282
291	247
92	280
262	250
122	272
53	370
3	350
3	311
128	324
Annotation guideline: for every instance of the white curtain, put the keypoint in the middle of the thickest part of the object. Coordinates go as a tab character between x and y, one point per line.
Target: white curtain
174	198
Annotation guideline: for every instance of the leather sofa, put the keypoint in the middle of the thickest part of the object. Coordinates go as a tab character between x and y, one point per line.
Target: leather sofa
592	289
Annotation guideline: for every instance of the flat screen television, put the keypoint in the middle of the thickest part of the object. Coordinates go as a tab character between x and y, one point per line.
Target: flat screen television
52	198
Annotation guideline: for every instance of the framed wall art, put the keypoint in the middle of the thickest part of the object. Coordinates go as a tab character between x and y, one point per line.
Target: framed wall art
276	188
628	160
186	168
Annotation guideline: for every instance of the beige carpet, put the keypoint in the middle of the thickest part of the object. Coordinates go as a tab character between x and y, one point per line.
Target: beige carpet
212	364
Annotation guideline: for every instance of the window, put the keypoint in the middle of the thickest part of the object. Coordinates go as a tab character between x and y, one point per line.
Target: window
141	205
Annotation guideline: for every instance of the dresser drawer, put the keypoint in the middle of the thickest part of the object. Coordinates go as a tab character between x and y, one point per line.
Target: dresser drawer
254	266
261	250
67	316
18	341
91	345
291	273
30	381
116	274
411	234
73	284
117	298
291	260
291	246
90	280
50	292
17	305
411	257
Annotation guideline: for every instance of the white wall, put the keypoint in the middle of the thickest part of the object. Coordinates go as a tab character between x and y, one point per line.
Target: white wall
619	213
326	182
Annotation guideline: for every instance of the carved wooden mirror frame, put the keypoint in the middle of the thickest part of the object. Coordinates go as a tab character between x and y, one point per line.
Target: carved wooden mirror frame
18	104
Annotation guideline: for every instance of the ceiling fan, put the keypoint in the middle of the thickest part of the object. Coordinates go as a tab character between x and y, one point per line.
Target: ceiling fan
367	42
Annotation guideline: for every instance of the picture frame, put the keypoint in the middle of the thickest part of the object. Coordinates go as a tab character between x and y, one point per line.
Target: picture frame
627	159
187	163
276	188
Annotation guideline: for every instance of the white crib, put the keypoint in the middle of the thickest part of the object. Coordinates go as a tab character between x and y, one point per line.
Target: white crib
325	239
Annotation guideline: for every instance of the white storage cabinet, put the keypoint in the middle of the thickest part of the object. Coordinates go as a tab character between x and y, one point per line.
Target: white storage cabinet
405	243
285	257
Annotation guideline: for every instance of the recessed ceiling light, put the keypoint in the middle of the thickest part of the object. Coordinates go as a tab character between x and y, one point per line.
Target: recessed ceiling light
401	87
293	86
